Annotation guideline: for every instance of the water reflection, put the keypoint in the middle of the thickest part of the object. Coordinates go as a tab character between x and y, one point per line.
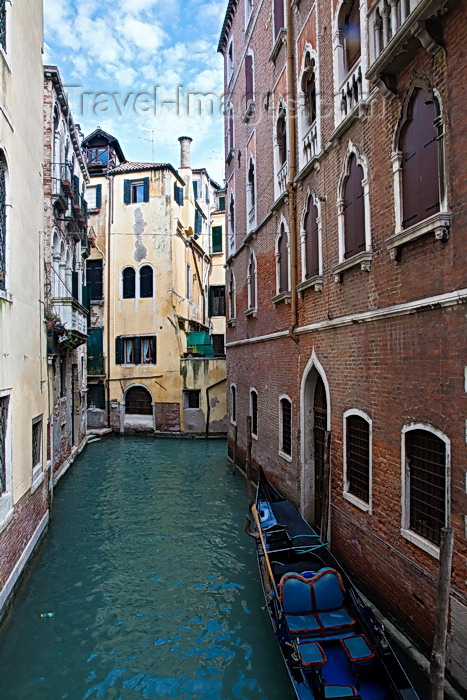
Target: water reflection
152	583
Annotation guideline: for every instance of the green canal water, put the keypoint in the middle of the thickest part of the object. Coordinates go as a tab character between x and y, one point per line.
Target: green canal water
152	584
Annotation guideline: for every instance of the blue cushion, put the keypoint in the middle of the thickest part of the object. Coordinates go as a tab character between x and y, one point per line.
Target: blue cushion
266	515
302	623
296	596
339	691
327	590
335	619
311	653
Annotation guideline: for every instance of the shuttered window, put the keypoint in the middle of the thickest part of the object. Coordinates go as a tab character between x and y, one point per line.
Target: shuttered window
136	191
217	301
135	350
358	457
278	17
420	162
217	239
178	194
354	210
311	240
286	427
94	279
146	283
248	78
426	471
283	261
128	283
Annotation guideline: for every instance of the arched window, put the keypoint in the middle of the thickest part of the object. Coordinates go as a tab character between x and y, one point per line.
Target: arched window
254	412
249	89
281	136
309	92
357	460
312	268
285	427
426	457
354	209
251	279
420	161
138	401
350	30
128	283
282	260
232	292
146	283
251	195
3	261
233	404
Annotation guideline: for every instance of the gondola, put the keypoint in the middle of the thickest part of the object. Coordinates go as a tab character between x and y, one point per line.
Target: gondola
331	643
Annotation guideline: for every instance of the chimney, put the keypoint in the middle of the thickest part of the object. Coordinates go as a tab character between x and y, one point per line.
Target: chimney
185	151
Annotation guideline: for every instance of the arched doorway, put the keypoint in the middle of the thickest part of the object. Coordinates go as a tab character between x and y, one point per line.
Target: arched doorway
138	402
315	447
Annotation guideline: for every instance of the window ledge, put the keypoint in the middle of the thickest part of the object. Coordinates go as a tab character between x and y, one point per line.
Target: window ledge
7	296
250	110
283	297
421	542
277	46
363	260
363	505
316	282
285	456
251	313
37	480
438	224
6	510
231	322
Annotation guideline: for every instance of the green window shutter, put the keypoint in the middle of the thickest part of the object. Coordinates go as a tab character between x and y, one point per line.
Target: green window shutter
217	239
195	190
118	350
137	351
221	203
126	191
98	196
146	189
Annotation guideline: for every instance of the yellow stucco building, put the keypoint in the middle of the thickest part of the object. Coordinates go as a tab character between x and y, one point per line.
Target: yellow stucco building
156	343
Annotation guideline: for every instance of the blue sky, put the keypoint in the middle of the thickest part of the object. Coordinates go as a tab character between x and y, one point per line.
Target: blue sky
139	67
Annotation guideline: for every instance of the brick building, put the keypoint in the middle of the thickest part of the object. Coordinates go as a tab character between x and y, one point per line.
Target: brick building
347	283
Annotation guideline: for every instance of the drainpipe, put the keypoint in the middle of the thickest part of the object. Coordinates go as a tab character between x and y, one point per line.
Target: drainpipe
291	188
110	182
208	411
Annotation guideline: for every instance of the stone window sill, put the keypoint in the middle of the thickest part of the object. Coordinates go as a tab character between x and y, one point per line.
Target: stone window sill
251	313
421	542
285	456
7	296
438	224
366	507
362	260
231	322
283	297
316	282
230	155
277	46
250	110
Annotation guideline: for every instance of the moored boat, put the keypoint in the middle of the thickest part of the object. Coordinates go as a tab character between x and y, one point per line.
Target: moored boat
331	642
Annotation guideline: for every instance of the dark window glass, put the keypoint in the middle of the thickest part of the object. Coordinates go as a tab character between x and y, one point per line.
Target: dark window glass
191	398
62	361
351	31
358	457
217	239
217	300
3	431
137	192
128	277
146	281
426	466
286	419
232	213
278	16
249	77
96	396
232	296
231	130
2	227
94	279
37	442
218	344
311	240
252	282
283	261
233	403
251	184
282	137
254	413
354	210
138	401
420	162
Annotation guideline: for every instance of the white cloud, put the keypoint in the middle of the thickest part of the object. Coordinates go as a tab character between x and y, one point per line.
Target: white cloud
145	35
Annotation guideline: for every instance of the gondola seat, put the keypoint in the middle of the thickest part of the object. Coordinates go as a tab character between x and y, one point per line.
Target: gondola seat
340	691
315	605
311	654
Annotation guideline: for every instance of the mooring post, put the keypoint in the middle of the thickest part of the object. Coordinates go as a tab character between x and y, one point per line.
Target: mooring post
248	459
234	451
438	653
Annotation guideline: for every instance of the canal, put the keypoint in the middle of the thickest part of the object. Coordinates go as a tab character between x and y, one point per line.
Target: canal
150	581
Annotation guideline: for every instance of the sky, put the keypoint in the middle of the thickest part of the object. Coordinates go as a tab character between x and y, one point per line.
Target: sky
145	71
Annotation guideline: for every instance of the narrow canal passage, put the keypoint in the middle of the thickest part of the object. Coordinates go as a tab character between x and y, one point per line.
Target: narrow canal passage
151	581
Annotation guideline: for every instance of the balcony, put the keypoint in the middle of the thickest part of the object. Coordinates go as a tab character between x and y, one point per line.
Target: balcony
396	30
310	143
252	218
95	364
282	180
74	317
62	190
351	91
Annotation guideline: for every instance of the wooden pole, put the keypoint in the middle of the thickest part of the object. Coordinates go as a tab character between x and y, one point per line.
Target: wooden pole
266	558
234	451
438	653
248	459
324	524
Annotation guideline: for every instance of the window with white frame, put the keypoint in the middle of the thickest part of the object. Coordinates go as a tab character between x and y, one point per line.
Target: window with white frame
188	282
135	350
3	229
350	84
285	427
231	223
251	194
308	108
252	281
249	5
426	462
357	458
233	404
6	495
281	150
312	248
254	412
282	260
37	472
249	84
128	283
230	61
146	281
232	296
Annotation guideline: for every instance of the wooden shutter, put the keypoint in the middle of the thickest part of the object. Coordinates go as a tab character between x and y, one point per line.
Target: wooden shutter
278	17
128	277
146	189
94	279
127	191
311	238
195	189
249	77
217	239
118	350
98	196
145	282
420	162
354	210
221	203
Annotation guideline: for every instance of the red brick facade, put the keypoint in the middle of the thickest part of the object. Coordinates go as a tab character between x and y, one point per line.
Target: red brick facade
386	335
